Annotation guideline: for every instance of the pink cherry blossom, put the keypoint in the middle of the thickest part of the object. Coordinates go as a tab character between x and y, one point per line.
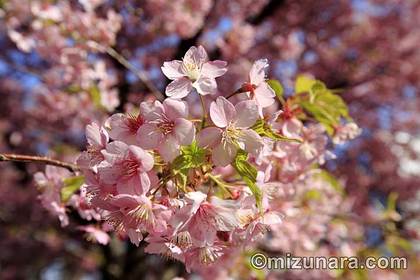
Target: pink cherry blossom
204	218
166	128
124	127
97	138
257	87
194	71
232	130
51	183
129	167
346	132
139	212
95	234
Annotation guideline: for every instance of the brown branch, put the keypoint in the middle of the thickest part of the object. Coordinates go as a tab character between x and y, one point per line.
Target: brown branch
37	159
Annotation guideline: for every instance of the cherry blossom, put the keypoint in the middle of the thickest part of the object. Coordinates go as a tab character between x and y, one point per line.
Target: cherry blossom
166	128
257	88
231	130
194	71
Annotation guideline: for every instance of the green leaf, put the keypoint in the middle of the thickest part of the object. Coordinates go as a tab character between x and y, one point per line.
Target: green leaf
265	129
71	185
191	156
277	87
95	95
248	173
303	84
323	104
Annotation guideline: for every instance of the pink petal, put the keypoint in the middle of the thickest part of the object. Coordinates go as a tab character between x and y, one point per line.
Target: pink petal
119	129
151	110
257	73
209	137
253	143
264	95
115	151
292	128
247	114
124	201
214	69
224	154
272	218
184	131
172	69
175	109
222	112
135	236
205	85
142	156
179	88
196	56
144	182
149	137
96	136
169	149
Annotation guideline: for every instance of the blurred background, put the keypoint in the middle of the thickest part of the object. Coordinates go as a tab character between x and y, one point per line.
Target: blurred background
58	74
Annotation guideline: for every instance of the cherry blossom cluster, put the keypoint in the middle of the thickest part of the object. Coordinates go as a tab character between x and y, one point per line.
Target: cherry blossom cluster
199	189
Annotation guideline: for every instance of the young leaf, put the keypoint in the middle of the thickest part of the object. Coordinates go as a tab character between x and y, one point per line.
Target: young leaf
303	84
277	87
248	173
265	129
191	156
323	104
71	185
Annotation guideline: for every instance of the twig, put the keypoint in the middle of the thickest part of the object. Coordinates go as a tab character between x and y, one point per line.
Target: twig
45	160
203	106
140	74
127	64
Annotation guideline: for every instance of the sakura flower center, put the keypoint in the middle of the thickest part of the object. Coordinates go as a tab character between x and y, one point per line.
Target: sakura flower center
165	125
130	167
192	70
134	122
248	87
231	134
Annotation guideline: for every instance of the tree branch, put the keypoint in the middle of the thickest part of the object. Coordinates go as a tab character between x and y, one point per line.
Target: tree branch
37	159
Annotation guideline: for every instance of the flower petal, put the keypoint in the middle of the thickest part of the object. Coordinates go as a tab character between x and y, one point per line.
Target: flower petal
195	56
214	69
257	73
96	136
205	85
142	156
184	131
149	137
169	149
209	137
151	110
222	112
264	95
114	151
179	88
253	143
172	69
144	183
175	109
247	113
224	154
